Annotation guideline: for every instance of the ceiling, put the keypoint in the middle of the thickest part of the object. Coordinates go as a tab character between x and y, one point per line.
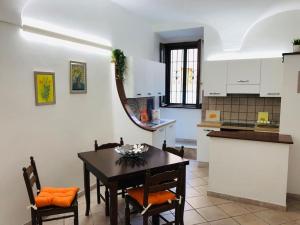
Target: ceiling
232	19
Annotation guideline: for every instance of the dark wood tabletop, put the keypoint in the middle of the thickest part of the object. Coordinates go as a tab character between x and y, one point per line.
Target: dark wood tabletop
253	136
108	162
115	173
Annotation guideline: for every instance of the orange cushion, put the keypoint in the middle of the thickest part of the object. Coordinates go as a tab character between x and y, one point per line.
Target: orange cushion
155	198
50	196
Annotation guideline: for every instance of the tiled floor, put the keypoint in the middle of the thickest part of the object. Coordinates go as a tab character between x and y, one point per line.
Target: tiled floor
200	209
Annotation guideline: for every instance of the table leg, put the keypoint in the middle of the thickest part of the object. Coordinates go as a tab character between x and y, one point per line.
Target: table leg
183	196
86	175
113	198
155	220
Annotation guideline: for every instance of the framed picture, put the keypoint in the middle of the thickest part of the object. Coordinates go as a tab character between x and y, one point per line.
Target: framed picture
44	83
78	82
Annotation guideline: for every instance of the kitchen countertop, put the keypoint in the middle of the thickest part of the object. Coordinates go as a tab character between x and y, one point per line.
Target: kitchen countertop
253	136
256	128
158	124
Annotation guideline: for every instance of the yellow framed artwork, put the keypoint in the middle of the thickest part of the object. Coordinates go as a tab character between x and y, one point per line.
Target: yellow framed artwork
78	83
44	83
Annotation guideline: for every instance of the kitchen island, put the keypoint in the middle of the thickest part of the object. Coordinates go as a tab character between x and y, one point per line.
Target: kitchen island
249	166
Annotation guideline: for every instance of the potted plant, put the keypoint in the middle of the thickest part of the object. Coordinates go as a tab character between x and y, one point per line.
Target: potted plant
119	59
296	45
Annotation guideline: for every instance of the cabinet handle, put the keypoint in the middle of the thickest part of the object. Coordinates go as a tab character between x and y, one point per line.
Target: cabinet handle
214	93
161	130
208	130
149	93
273	93
138	94
243	81
159	93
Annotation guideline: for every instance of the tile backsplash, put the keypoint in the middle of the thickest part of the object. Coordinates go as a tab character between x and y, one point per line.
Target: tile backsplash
137	104
243	108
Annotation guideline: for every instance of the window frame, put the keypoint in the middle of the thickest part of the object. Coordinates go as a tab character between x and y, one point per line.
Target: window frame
165	56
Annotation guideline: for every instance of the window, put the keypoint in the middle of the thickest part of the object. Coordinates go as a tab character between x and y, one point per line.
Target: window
182	74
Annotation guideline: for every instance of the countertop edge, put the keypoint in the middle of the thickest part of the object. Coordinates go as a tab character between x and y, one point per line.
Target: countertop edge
163	124
242	135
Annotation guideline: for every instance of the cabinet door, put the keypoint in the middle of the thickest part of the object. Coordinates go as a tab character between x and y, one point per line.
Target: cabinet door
244	72
215	78
171	135
158	137
159	79
135	79
271	77
202	143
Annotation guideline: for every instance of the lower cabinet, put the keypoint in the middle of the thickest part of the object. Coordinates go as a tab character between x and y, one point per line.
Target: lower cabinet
167	133
202	143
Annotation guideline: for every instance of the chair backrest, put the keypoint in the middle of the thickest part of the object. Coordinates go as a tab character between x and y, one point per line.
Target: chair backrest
174	151
31	178
108	145
164	181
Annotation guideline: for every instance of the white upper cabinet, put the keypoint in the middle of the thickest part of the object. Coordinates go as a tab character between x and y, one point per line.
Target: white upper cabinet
244	72
144	78
215	78
271	77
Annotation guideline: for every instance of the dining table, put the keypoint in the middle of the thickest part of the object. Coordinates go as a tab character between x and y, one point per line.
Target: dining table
117	172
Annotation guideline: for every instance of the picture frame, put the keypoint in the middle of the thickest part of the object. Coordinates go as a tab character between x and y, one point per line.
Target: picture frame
44	84
78	78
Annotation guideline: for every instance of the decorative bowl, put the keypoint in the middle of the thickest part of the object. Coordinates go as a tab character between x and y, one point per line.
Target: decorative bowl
132	150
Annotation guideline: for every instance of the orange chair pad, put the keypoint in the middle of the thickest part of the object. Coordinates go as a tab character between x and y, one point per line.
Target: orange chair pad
155	198
50	196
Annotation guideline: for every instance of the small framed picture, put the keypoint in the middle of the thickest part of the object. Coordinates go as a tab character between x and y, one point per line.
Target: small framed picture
78	83
44	83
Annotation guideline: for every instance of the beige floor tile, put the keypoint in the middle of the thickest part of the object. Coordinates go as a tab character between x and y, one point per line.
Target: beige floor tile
252	208
192	217
197	182
273	217
202	189
192	192
228	221
293	213
233	209
199	202
100	219
83	220
212	213
187	206
55	222
217	201
249	219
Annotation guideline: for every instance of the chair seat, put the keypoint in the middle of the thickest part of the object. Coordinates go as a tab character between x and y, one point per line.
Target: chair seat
155	198
61	197
55	210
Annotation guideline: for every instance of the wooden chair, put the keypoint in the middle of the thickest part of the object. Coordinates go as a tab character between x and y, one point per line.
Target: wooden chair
49	213
105	198
174	151
161	182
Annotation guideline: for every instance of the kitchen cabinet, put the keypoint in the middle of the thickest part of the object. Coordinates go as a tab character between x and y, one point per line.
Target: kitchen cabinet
167	133
203	143
215	78
244	72
144	78
271	77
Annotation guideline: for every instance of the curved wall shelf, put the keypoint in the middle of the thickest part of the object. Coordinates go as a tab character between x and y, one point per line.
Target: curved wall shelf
126	107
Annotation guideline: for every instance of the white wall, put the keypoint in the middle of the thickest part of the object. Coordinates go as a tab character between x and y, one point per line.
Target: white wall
289	118
55	134
52	134
186	121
